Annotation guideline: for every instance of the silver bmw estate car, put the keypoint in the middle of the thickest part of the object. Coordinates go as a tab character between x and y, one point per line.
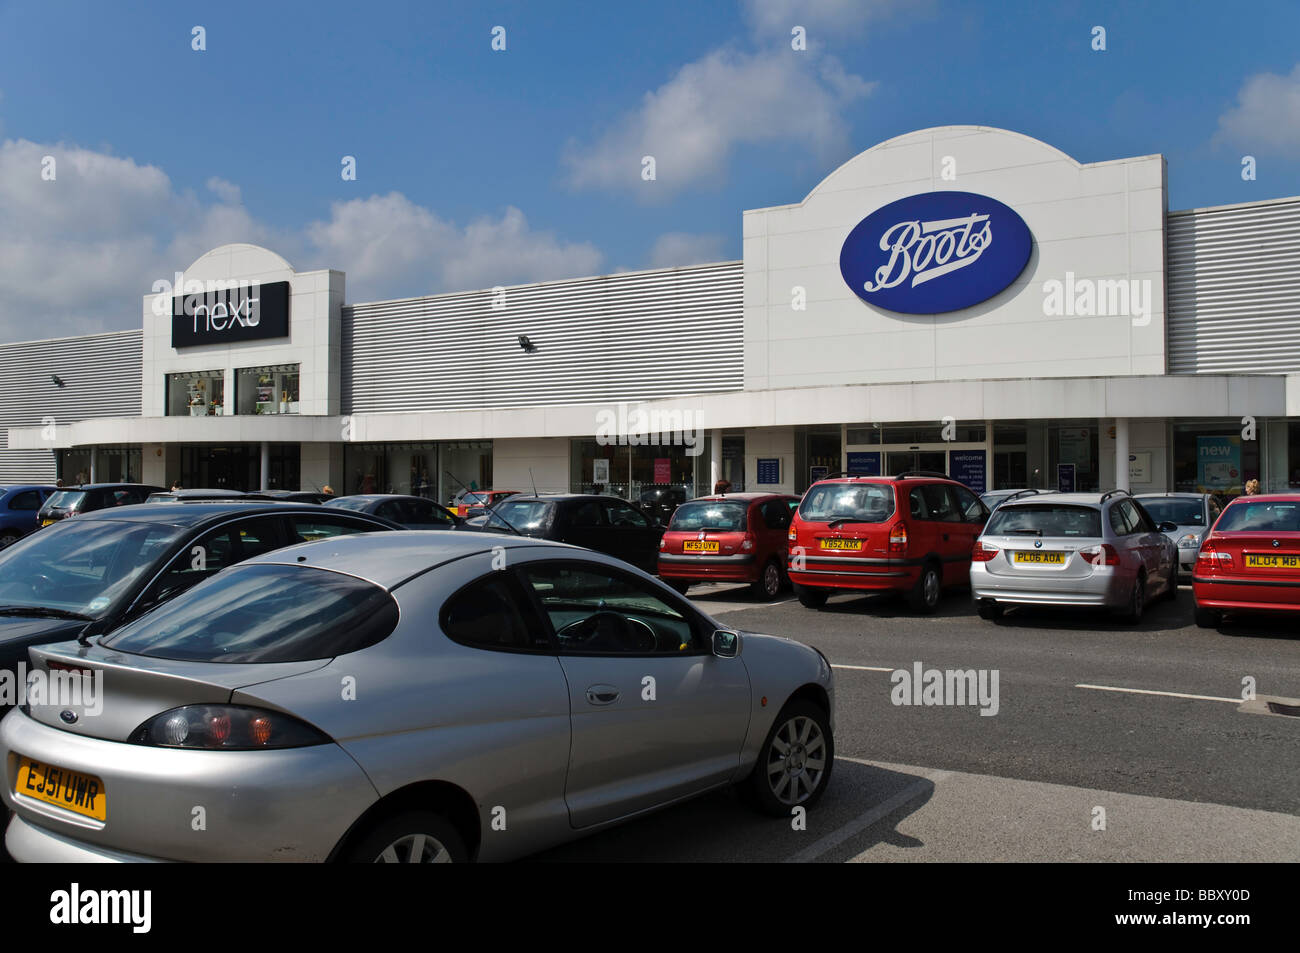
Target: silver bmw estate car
406	697
1072	549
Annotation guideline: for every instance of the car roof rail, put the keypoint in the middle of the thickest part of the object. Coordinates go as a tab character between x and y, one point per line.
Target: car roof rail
1107	496
844	473
921	473
1020	493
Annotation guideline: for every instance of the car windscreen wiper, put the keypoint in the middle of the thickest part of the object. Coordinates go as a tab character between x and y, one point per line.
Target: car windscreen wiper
846	519
45	612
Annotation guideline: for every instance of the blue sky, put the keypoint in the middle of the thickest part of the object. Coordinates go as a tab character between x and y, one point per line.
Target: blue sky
477	167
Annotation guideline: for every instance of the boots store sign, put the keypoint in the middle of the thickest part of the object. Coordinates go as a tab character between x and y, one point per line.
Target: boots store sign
935	252
231	313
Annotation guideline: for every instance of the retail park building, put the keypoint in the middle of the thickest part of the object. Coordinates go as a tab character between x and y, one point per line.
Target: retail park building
963	298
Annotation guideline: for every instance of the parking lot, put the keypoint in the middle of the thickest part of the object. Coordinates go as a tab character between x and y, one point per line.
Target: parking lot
1142	722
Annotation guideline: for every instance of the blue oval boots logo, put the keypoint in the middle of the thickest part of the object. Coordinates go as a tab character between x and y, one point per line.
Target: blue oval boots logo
935	252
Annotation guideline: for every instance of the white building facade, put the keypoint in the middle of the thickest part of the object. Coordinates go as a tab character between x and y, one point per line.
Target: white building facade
963	299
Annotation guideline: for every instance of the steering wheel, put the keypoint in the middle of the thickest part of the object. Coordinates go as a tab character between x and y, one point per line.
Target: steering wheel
610	630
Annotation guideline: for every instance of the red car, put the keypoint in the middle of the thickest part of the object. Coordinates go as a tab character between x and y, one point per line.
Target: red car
736	537
911	534
478	500
1250	560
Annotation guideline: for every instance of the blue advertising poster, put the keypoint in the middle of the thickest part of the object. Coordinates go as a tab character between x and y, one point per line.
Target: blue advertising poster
864	463
967	466
1065	477
817	473
1218	464
769	471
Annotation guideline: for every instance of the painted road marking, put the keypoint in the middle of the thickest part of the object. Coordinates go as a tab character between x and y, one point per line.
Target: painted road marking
864	668
1148	691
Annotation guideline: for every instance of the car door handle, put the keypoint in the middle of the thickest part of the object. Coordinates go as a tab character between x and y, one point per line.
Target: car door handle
602	694
945	537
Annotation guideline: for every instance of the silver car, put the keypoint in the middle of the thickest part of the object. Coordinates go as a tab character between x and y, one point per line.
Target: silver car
407	697
1072	549
1192	515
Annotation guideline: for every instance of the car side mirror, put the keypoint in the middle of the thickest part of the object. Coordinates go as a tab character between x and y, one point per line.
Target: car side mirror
1168	527
726	643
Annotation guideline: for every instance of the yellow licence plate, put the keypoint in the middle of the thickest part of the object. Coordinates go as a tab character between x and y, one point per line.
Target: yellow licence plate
80	793
1039	558
1272	561
700	546
841	544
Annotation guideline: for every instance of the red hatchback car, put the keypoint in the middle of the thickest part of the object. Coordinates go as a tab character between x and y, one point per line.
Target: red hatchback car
911	534
1250	560
736	537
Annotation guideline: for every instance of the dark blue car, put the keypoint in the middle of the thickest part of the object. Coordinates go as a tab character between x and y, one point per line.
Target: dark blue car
18	508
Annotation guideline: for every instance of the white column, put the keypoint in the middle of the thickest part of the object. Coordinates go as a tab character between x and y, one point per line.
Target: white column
715	459
1121	453
93	456
266	465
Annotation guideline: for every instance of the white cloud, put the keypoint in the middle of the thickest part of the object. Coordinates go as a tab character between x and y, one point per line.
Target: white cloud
841	16
674	249
388	245
78	253
727	100
1266	118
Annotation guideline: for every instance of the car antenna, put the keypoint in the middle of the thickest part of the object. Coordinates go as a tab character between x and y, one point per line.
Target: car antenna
490	516
532	481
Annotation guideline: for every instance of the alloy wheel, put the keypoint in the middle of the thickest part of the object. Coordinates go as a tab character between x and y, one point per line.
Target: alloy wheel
796	760
415	849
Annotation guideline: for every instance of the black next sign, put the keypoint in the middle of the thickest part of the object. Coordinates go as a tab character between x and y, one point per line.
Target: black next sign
244	312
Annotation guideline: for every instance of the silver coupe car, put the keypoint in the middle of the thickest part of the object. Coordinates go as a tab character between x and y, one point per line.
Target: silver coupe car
405	697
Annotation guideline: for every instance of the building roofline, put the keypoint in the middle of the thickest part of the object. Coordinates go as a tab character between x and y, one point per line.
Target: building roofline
1236	205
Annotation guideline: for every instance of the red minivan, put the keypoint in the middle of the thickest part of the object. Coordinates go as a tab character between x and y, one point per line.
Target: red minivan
911	534
1250	560
736	537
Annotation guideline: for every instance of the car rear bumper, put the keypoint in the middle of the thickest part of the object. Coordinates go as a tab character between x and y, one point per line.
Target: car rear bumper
743	567
1109	590
880	577
285	804
1247	594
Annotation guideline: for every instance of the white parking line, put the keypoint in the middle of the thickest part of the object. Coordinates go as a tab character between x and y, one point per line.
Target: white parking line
755	605
1148	691
864	668
860	823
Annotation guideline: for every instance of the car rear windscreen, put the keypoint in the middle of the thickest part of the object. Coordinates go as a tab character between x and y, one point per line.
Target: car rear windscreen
867	502
1044	519
1274	517
66	499
1184	512
527	516
264	613
720	516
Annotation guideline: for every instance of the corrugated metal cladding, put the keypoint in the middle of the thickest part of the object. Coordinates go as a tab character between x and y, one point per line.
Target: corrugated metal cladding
101	378
1234	289
614	337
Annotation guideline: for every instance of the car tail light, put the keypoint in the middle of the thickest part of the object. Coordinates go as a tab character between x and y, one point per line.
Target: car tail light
747	543
1102	555
226	728
982	552
1212	559
793	535
663	543
898	539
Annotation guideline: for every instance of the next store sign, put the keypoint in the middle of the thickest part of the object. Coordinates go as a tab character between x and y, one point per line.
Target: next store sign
228	315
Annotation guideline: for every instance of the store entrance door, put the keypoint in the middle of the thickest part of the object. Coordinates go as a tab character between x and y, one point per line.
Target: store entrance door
901	461
221	468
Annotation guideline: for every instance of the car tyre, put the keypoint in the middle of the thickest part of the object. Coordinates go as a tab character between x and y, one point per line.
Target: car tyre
784	780
812	598
768	584
924	597
397	838
1208	618
990	611
1137	601
1172	594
